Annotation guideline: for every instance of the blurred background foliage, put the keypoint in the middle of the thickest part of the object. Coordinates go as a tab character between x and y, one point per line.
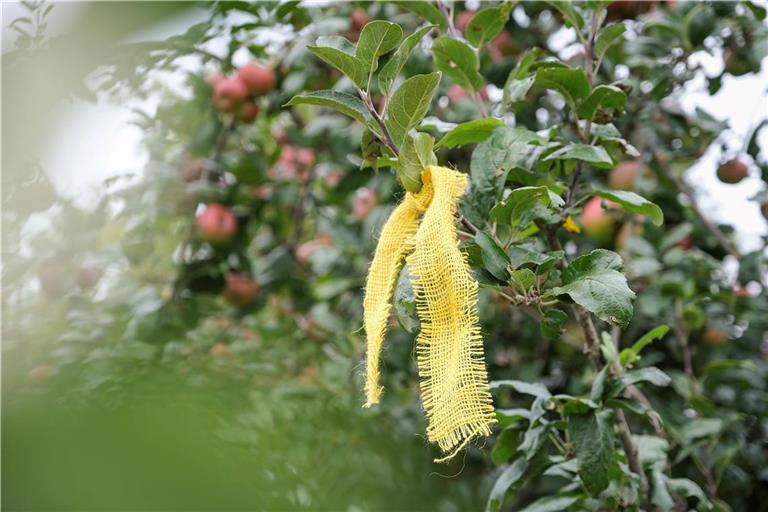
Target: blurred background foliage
152	363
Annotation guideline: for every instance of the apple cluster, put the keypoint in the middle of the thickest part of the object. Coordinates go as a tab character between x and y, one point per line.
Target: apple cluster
238	94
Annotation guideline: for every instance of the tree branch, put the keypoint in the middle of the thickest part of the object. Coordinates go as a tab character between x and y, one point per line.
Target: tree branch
686	190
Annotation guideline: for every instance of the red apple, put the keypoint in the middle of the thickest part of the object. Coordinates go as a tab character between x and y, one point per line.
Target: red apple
733	171
193	171
462	20
215	79
216	224
259	80
596	220
88	277
503	46
456	93
628	9
305	250
55	279
229	93
241	289
333	177
715	336
40	373
220	350
263	192
625	175
248	112
359	19
281	136
364	203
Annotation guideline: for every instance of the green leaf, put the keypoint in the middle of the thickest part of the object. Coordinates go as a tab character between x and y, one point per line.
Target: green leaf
533	439
394	65
458	61
522	279
372	150
471	132
565	7
551	504
485	25
608	36
573	405
507	478
552	323
491	161
571	83
415	156
376	39
426	10
595	281
519	82
598	385
629	355
518	205
592	437
634	203
517	90
405	302
595	155
344	102
527	388
660	494
350	65
687	489
700	427
409	105
495	259
506	446
650	374
338	42
651	450
601	98
520	255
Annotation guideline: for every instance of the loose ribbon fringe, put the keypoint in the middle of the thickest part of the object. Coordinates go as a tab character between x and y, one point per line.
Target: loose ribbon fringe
449	347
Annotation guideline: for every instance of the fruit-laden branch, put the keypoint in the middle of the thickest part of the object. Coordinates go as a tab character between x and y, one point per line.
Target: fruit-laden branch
582	315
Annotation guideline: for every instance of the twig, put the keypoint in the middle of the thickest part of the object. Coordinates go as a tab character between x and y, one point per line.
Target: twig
682	336
455	34
634	391
726	244
452	30
480	105
388	140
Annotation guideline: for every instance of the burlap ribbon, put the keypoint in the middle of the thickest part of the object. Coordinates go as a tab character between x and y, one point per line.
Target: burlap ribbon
453	378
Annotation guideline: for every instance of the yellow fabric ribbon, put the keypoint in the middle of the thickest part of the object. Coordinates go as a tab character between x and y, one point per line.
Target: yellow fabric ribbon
449	347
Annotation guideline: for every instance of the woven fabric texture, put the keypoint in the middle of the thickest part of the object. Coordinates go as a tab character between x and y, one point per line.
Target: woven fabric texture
453	378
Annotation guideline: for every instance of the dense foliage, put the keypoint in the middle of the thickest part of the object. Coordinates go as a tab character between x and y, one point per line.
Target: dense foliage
624	332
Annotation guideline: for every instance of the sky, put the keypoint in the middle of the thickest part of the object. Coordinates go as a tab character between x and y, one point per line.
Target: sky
91	142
